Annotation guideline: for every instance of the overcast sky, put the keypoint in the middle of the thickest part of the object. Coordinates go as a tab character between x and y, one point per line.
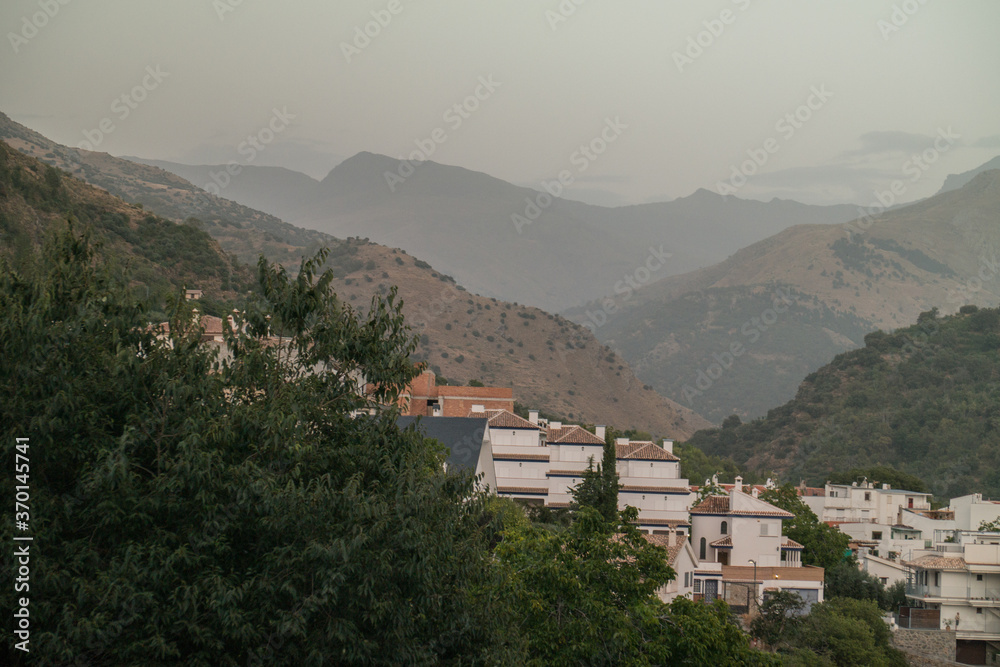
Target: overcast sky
883	78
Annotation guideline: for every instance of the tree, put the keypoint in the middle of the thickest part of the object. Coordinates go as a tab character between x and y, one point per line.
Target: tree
824	545
845	580
599	487
990	526
881	474
778	617
846	633
201	510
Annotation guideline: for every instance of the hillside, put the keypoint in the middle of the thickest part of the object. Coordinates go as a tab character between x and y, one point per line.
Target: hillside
240	231
552	363
791	302
565	252
923	400
163	255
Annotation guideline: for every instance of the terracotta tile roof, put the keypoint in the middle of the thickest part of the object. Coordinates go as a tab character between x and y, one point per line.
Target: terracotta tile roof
937	563
791	544
573	435
712	505
211	324
522	489
520	457
505	419
661	522
644	451
655	489
664	541
723	543
720	505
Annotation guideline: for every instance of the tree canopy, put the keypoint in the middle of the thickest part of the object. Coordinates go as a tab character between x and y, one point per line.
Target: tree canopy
824	545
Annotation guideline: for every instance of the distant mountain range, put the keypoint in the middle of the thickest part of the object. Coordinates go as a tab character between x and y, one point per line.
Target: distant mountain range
739	336
506	241
552	364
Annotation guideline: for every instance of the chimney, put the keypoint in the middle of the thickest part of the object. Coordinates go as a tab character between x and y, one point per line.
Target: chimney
668	445
754	492
886	487
621	441
479	408
738	484
555	425
533	416
671	536
599	432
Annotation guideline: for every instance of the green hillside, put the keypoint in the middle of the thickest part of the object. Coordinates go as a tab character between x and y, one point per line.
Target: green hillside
924	400
163	256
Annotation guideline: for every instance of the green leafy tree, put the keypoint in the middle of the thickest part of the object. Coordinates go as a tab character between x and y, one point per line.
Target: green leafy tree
990	526
197	510
778	617
882	474
824	545
845	580
599	487
846	633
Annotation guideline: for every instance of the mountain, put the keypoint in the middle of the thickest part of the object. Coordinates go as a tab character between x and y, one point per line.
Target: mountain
739	336
478	228
163	256
922	399
241	231
552	363
955	181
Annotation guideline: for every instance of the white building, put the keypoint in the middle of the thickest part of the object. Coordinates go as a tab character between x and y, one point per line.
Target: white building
865	503
960	581
743	533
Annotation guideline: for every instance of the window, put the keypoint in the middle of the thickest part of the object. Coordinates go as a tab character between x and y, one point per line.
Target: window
763	529
868	496
725	528
979	610
697	585
701	552
937	578
979	577
876	534
687	579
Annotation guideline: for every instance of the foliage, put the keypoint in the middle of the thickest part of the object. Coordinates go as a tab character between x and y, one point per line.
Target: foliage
845	580
707	634
920	401
845	633
824	545
990	526
698	466
599	487
205	511
778	617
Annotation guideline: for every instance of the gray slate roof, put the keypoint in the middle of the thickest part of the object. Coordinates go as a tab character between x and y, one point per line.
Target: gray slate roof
463	436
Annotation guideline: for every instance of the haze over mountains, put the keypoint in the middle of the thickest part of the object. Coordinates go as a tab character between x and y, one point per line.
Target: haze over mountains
554	254
791	302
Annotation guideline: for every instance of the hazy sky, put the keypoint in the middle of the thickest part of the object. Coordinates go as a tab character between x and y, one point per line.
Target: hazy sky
883	79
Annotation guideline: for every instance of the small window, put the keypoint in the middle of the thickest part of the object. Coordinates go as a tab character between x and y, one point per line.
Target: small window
979	610
725	528
697	585
520	465
701	551
876	534
868	496
937	578
763	529
979	577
